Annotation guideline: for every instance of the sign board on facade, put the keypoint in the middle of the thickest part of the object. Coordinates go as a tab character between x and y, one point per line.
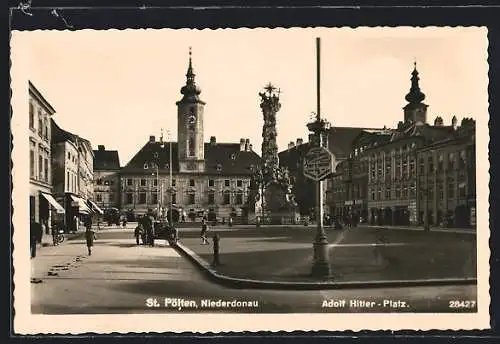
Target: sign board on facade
318	163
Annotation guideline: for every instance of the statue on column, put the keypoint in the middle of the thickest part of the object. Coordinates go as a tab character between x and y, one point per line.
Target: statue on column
271	185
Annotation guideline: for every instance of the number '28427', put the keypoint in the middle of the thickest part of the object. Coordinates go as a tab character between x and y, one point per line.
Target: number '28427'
462	304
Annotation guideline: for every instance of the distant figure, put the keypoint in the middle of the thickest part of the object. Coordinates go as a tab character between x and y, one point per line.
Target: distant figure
138	233
35	230
54	234
204	232
230	221
89	237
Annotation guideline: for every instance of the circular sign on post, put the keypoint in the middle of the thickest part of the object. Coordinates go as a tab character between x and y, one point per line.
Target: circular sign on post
319	162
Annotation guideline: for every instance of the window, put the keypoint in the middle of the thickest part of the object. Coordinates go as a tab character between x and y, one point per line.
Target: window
412	166
440	163
32	117
191	182
451	161
441	191
192	144
211	182
174	198
46	169
142	198
191	198
129	199
98	197
211	197
40	124
32	163
129	182
146	166
451	190
227	198
431	164
398	192
226	182
154	198
373	196
239	198
421	166
239	183
461	191
143	182
155	182
40	167
69	156
388	194
45	130
99	181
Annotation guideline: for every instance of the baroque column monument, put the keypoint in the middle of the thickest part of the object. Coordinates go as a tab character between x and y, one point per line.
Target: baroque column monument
271	185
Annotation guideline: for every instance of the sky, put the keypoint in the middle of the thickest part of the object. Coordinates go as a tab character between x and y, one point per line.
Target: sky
116	88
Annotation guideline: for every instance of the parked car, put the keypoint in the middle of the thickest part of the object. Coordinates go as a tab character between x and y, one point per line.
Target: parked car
112	216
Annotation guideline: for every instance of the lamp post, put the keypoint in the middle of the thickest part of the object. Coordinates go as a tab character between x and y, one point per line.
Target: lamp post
320	127
169	137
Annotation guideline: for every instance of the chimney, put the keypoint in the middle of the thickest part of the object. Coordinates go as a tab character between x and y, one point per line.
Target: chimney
247	144
250	147
311	137
152	138
291	145
454	122
100	148
438	122
299	141
242	145
212	140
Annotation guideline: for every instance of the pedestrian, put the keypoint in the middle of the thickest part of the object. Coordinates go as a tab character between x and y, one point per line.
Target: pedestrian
33	236
90	237
54	234
203	233
138	233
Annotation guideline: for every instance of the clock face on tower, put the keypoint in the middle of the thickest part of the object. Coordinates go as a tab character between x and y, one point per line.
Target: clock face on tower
191	119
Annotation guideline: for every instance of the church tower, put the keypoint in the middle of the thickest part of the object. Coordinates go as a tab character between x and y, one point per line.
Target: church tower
190	137
415	111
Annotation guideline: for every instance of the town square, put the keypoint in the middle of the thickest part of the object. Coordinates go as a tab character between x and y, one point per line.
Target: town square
254	173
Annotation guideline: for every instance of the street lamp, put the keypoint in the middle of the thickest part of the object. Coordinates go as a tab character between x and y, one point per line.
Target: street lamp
320	127
169	138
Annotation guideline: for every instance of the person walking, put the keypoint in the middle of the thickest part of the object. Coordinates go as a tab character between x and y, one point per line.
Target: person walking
137	233
203	233
89	235
34	233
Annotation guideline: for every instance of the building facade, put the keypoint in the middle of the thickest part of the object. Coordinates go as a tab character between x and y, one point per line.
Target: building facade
190	177
447	180
43	207
72	166
106	178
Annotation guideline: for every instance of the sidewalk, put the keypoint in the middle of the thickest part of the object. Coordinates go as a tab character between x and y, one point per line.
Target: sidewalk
51	259
418	228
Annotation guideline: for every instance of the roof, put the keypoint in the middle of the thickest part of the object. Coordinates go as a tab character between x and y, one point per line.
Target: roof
220	158
429	133
340	139
106	160
61	135
34	91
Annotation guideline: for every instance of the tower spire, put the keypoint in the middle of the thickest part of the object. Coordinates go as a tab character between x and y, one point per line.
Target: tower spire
190	74
415	95
190	90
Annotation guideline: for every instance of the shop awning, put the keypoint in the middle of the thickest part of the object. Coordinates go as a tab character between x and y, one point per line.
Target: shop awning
53	202
83	208
95	207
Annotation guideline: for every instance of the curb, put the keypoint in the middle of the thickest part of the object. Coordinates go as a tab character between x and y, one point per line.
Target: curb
421	229
240	283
